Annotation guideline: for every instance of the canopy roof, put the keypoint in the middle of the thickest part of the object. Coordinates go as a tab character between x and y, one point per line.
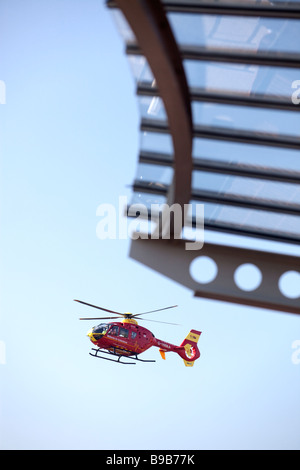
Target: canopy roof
218	85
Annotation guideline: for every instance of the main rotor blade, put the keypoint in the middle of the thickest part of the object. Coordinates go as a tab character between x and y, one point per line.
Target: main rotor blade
152	311
156	321
100	308
101	318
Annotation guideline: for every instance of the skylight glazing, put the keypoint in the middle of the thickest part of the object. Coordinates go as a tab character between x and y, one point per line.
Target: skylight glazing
274	35
246	163
240	79
263	121
269	161
238	220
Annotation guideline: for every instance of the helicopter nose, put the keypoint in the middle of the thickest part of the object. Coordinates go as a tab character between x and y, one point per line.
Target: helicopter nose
90	334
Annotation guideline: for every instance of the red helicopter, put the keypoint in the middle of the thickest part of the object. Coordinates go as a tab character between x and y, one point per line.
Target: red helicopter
126	339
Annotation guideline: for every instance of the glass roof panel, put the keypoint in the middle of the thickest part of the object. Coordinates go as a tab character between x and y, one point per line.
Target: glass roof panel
266	3
252	188
275	122
251	219
156	142
283	161
152	107
156	176
236	33
140	69
241	79
147	199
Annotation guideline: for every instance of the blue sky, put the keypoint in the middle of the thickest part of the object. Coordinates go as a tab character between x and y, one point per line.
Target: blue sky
69	142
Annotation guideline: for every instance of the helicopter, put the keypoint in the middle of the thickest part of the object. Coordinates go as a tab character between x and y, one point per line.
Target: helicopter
126	340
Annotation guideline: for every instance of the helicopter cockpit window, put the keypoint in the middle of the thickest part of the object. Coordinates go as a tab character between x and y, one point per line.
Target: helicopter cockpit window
123	332
100	329
114	331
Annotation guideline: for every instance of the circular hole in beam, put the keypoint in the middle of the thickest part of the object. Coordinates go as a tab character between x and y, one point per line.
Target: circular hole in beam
248	277
289	284
203	269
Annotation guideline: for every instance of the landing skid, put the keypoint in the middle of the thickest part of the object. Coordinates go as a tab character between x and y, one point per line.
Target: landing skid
118	357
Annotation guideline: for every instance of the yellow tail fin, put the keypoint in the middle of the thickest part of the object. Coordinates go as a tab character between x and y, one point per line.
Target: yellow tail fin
190	352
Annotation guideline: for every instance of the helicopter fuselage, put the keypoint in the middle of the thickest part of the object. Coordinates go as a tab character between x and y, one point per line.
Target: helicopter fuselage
127	338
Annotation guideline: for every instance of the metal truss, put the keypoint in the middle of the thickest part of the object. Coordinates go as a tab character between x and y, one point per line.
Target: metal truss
171	259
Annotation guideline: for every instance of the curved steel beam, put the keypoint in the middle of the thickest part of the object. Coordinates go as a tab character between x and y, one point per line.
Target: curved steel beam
149	23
